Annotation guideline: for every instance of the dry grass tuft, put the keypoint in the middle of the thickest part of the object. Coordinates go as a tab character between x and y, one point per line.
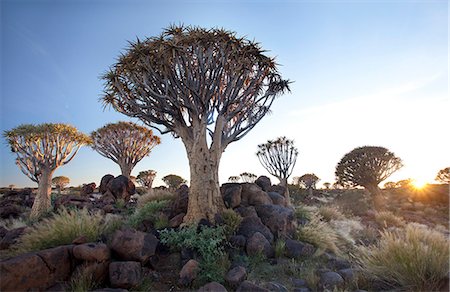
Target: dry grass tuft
387	219
330	213
411	258
155	195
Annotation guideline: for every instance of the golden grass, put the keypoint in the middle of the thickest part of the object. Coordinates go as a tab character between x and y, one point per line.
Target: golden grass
388	219
155	195
330	213
413	258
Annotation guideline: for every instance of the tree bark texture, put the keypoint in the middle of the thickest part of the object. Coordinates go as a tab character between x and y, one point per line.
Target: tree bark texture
126	169
283	182
42	202
377	197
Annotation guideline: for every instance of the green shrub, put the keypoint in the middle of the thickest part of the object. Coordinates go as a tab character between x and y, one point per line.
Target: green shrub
412	258
231	222
280	248
62	229
208	242
155	195
149	211
303	212
387	219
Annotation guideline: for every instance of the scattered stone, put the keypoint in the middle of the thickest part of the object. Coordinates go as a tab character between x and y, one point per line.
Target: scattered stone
121	187
297	249
280	220
250	225
348	274
248	286
10	211
80	240
177	220
132	245
106	179
299	283
232	195
189	272
277	198
125	274
246	211
330	280
88	189
277	189
11	237
181	202
235	276
238	241
258	244
92	252
275	287
252	194
263	182
213	287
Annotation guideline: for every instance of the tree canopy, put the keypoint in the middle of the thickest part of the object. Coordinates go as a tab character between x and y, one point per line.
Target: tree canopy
173	181
443	176
278	157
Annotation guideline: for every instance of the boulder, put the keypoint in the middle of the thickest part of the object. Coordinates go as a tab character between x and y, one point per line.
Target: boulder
237	241
231	194
258	244
92	252
297	249
121	187
10	211
280	220
212	287
275	287
263	182
24	198
36	271
248	286
177	220
277	189
330	280
252	194
347	274
88	189
251	225
72	201
125	275
131	245
235	276
246	211
106	179
189	272
11	237
277	198
181	201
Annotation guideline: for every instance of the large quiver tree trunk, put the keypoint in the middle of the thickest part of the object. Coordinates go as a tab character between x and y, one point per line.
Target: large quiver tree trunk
42	202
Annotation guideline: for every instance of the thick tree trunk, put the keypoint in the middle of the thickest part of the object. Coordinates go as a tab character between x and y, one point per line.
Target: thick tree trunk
205	200
42	202
377	197
310	192
283	182
126	169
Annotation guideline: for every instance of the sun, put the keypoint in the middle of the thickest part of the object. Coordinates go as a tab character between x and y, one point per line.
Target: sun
419	184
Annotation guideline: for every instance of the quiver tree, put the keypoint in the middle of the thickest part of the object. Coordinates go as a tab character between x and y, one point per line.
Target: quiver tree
308	181
195	83
248	177
125	143
327	185
145	178
234	179
40	150
173	181
60	182
443	176
367	166
278	157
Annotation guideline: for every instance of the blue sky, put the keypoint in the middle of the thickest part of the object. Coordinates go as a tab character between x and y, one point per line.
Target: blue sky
364	72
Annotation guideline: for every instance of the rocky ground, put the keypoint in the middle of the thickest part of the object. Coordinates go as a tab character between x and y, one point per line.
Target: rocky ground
267	246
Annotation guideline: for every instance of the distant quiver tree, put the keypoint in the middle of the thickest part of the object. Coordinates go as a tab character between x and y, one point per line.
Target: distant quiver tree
327	185
278	157
195	83
145	178
173	181
60	182
248	177
308	181
125	143
443	176
40	150
234	178
367	166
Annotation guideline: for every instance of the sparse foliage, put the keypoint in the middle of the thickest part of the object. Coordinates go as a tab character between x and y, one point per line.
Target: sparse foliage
443	176
145	178
327	185
234	179
278	157
195	82
125	143
173	181
40	150
60	182
248	177
308	181
390	185
367	166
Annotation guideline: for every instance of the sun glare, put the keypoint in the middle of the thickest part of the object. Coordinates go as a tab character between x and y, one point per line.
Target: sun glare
419	184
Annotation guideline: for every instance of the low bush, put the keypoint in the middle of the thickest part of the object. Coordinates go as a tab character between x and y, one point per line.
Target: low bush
280	248
82	280
149	211
411	258
231	222
155	195
387	219
62	229
330	213
303	212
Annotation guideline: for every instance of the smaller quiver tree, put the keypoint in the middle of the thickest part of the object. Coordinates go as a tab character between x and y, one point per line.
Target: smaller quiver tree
248	177
60	182
125	143
278	157
173	181
443	176
234	179
145	178
40	150
308	181
327	185
367	166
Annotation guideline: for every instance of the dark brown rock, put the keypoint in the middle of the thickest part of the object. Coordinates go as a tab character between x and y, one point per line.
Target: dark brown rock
248	286
258	244
280	220
87	189
250	225
297	249
11	237
231	194
72	201
277	198
277	189
10	211
238	241
246	211
36	271
80	240
122	187
129	244
235	276
331	280
213	287
189	272
252	194
125	274
263	182
106	179
181	201
92	252
177	220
